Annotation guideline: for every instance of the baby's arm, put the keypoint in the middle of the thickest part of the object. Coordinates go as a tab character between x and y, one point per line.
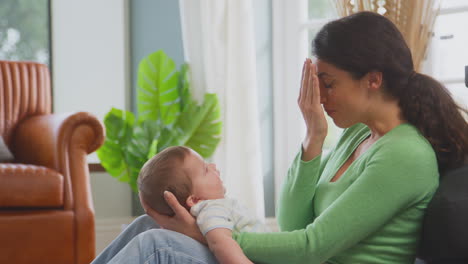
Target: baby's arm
225	248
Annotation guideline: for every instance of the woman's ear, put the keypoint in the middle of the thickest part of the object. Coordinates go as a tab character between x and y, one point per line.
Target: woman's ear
192	200
374	80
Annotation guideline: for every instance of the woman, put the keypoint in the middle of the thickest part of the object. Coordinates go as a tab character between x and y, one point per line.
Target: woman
365	201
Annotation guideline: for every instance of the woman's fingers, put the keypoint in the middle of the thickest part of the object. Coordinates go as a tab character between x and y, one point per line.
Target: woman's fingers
302	80
182	222
303	71
310	86
305	80
174	204
310	94
312	111
315	86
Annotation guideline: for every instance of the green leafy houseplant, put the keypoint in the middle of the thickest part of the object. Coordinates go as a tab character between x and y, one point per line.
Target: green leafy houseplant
167	116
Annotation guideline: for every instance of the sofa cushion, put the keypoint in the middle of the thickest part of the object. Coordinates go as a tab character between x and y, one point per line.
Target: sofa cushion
30	186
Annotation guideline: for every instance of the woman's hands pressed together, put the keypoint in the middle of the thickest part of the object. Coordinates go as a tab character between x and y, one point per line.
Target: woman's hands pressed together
182	221
309	102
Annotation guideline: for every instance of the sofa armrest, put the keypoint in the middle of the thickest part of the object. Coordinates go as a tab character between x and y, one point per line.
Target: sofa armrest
45	140
62	142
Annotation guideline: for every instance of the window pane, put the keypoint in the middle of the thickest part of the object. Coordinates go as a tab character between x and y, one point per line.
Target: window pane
321	9
450	46
24	30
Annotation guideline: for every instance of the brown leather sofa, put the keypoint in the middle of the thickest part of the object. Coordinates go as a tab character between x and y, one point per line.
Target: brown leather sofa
46	209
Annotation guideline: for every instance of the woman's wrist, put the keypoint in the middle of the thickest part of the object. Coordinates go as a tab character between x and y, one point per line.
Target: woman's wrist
311	147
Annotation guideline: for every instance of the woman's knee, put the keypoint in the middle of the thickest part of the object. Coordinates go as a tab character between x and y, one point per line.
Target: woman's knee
180	245
141	224
145	220
165	238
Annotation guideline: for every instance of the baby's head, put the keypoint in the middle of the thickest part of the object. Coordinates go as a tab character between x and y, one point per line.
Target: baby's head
183	172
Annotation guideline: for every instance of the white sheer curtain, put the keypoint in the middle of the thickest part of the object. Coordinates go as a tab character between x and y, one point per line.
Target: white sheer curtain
219	46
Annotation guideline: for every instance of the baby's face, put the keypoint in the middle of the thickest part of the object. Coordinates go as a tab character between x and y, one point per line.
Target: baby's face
206	182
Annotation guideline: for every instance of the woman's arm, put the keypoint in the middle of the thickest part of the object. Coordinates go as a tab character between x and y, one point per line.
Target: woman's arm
305	171
393	180
226	249
295	206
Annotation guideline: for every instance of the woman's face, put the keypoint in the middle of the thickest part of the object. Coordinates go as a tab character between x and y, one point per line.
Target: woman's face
344	99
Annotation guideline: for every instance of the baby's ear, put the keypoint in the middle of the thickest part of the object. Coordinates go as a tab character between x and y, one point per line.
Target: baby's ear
192	200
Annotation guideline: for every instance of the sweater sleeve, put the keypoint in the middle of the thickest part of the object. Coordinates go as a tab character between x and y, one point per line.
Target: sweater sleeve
391	181
299	185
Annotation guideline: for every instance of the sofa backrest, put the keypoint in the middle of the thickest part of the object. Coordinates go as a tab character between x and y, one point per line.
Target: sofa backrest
24	91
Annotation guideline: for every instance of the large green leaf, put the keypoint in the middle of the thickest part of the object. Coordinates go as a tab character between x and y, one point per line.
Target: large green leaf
140	147
200	126
153	149
184	86
168	116
113	154
158	93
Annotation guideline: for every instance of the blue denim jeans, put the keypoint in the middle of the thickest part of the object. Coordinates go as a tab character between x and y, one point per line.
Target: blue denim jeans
143	242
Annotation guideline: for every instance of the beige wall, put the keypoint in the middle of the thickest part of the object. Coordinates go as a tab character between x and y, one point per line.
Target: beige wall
112	199
112	205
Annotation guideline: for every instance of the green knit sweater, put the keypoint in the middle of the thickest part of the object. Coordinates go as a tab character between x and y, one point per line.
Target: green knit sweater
371	214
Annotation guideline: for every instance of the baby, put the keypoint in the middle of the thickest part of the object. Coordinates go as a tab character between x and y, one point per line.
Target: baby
199	188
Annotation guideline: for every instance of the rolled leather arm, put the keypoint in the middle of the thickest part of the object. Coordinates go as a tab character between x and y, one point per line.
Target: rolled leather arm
62	142
46	139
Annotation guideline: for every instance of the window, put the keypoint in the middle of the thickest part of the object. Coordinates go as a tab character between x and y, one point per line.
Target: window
448	54
24	30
